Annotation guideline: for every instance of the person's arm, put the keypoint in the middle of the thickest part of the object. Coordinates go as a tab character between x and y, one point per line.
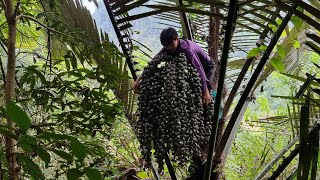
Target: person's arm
207	63
197	64
205	91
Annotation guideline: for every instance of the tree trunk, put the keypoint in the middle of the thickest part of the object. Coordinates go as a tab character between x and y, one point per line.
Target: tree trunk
213	43
213	50
9	90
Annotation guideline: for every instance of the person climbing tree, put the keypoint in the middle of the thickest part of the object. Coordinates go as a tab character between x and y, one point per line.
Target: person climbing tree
195	55
205	68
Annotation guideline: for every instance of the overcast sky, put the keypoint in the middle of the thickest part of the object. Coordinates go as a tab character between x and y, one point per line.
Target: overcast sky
89	5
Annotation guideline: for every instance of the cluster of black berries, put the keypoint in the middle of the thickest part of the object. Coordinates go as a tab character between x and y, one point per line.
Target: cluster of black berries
172	119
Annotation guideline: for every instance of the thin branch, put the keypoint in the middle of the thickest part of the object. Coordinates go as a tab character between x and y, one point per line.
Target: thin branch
276	159
25	34
17	82
3	47
121	155
49	54
43	7
33	53
3	4
33	19
38	126
4	23
41	24
4	7
284	164
16	9
119	95
2	72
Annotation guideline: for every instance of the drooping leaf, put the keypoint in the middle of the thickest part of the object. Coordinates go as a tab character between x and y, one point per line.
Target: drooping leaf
2	112
7	132
263	47
296	44
43	154
49	135
73	174
40	15
281	51
142	175
26	147
301	79
73	61
273	27
253	52
24	78
17	115
28	139
279	21
38	73
296	21
277	64
30	167
78	149
63	155
93	174
32	82
27	142
67	62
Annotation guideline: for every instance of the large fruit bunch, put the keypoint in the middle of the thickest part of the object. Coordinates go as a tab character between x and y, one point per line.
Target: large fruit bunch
172	119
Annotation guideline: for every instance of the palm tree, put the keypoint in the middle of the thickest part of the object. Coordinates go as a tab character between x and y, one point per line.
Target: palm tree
256	32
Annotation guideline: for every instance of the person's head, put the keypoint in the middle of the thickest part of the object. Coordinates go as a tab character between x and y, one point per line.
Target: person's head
169	39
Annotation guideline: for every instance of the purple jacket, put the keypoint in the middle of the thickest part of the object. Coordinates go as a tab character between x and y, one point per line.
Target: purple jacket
199	59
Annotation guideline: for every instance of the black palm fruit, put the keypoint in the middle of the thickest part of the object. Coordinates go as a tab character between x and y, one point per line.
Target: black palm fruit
172	119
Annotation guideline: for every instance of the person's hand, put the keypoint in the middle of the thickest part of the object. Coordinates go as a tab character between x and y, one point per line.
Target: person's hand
206	97
136	86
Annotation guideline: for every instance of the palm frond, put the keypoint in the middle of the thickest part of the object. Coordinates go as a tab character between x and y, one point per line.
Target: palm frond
79	17
291	60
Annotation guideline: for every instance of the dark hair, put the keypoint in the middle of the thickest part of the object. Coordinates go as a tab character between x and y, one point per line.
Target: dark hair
167	36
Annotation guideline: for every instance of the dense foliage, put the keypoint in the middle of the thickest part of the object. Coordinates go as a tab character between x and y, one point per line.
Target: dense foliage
65	107
73	109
